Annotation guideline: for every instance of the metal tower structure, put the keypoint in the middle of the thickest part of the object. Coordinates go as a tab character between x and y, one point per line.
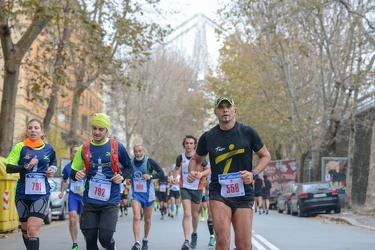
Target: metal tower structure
195	39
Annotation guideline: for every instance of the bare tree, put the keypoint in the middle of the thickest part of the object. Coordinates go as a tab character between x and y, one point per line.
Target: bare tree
303	64
157	109
27	24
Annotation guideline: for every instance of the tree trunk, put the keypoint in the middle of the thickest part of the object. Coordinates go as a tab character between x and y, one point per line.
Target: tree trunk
8	110
370	194
349	173
301	166
72	135
13	54
315	165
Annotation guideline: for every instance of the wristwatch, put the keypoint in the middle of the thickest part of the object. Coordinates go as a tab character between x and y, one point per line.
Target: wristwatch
151	176
255	175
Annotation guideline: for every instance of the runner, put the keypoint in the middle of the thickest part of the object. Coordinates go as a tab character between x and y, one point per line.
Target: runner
74	198
230	146
174	195
99	161
143	193
191	193
35	161
163	193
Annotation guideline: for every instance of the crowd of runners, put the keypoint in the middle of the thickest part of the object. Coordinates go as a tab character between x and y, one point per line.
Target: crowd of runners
101	174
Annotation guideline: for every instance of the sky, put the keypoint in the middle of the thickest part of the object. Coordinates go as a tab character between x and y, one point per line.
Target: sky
185	10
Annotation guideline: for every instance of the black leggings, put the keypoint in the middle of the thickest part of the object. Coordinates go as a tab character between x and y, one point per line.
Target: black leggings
105	238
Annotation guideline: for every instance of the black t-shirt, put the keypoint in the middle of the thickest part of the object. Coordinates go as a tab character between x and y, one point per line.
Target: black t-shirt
229	152
258	184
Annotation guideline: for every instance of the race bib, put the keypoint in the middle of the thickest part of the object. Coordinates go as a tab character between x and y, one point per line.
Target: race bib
163	187
99	189
76	186
35	183
231	185
140	185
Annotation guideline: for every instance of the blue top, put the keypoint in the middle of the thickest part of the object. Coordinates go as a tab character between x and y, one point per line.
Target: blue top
102	152
66	175
21	155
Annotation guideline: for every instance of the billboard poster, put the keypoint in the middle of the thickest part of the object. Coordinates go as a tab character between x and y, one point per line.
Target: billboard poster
334	170
281	173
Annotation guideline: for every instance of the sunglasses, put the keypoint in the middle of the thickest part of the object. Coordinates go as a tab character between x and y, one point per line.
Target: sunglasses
224	98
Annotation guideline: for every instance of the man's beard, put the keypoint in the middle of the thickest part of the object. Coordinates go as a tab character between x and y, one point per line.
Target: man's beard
140	158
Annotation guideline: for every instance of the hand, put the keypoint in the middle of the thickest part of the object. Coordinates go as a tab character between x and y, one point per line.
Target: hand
50	172
128	182
193	175
246	176
146	177
117	178
34	161
206	183
80	174
61	195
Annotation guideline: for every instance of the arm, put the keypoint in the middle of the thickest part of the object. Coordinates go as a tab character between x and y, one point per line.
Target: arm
206	169
264	158
14	169
78	166
63	187
125	162
52	169
177	169
155	167
194	164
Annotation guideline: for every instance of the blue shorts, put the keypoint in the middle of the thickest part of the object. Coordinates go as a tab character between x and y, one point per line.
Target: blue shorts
75	202
144	204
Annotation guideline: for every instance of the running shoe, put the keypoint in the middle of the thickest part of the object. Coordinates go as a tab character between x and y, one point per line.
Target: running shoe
202	219
136	246
186	245
74	247
205	211
126	212
121	214
144	244
212	241
194	239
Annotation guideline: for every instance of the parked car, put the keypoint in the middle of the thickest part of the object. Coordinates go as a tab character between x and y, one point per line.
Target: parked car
314	197
56	206
283	201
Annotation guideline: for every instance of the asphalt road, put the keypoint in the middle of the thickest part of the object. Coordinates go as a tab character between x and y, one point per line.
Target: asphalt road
165	234
270	232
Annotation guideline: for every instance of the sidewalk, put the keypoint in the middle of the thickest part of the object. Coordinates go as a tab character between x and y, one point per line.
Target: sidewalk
358	219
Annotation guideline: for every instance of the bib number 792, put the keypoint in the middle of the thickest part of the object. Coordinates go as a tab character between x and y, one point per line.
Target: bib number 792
99	191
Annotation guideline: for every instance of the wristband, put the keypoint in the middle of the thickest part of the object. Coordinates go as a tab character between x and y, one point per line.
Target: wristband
54	168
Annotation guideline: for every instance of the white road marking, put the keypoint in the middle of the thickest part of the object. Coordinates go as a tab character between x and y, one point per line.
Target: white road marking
265	242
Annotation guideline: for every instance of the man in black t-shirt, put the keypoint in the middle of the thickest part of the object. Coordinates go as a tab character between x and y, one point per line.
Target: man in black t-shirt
266	194
230	146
